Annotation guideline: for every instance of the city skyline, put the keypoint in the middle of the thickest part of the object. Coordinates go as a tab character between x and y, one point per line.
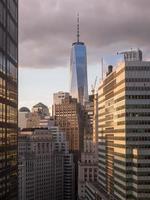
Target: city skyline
74	126
51	33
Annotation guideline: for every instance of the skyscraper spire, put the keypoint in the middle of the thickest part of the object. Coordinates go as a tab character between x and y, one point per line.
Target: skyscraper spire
78	28
78	70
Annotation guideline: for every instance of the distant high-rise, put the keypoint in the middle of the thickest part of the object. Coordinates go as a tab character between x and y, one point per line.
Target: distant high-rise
78	70
8	98
68	116
57	99
59	96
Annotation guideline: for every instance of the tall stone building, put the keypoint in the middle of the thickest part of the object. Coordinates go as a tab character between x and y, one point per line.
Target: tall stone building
88	163
8	99
88	116
68	116
61	146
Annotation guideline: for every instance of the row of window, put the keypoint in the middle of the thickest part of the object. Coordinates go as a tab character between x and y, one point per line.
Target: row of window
135	106
132	97
137	68
137	79
133	122
137	96
138	88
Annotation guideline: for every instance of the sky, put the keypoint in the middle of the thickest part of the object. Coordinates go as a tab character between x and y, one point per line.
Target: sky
47	29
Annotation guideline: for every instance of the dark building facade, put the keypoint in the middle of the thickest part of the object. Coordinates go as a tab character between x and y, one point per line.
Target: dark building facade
8	98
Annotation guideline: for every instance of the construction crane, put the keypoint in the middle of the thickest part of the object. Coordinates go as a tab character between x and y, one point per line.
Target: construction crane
93	86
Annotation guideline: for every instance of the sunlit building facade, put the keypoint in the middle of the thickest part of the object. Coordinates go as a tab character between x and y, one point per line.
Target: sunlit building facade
68	117
123	132
8	98
124	129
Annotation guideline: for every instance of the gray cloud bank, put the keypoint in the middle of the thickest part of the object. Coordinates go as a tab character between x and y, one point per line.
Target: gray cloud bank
48	28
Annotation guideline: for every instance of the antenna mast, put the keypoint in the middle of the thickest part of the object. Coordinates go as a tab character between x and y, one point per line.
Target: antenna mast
102	65
78	28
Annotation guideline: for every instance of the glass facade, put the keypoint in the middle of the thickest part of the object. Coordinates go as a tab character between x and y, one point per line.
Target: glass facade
8	98
78	73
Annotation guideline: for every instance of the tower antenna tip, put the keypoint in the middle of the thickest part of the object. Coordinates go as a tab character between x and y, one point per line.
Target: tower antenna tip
78	28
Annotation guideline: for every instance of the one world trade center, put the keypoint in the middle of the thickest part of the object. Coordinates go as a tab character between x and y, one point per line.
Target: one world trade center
78	70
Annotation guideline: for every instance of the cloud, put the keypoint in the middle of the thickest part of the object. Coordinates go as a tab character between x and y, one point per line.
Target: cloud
47	29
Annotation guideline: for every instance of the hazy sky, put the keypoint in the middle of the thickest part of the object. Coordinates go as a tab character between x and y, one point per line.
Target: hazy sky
47	30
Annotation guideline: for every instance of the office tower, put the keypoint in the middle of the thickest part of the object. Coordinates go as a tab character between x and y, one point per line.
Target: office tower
57	99
61	146
78	71
88	164
46	168
41	109
89	124
8	98
68	116
124	130
88	110
59	96
95	120
88	116
87	169
23	115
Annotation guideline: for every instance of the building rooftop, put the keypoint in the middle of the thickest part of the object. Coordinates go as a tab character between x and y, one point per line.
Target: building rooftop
24	109
40	105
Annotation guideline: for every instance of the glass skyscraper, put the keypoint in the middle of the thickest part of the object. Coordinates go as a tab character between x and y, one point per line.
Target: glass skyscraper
8	98
78	71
